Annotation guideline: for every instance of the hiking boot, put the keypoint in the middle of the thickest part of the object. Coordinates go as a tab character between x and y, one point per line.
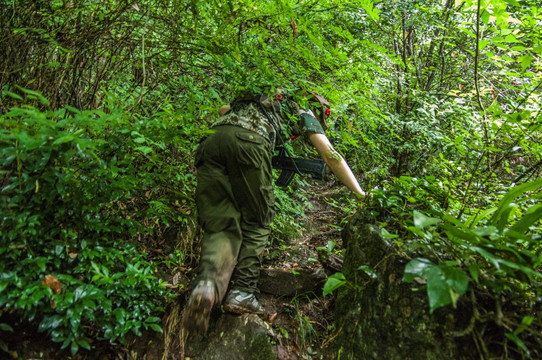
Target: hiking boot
241	302
200	304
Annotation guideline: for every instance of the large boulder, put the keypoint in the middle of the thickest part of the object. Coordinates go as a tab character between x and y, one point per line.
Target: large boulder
290	282
384	317
244	337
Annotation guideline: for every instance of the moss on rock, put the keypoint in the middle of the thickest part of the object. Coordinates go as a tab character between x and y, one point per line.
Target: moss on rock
386	318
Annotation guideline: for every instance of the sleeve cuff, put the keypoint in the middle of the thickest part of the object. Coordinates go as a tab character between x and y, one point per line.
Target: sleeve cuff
310	123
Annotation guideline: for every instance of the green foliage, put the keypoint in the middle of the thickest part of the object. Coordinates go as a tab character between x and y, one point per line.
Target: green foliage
334	282
108	293
337	280
491	251
304	325
289	205
436	104
405	193
74	197
445	284
497	252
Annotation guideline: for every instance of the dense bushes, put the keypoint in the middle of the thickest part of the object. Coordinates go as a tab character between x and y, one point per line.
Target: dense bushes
78	187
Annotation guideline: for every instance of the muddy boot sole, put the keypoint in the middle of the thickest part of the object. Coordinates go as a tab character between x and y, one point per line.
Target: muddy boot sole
198	313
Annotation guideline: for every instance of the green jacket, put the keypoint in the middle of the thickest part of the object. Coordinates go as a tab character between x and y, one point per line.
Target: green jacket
288	117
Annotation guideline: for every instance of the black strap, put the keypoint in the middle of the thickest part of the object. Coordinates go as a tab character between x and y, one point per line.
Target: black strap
278	133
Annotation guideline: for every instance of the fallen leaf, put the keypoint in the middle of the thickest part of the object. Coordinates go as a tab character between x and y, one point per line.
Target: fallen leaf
52	283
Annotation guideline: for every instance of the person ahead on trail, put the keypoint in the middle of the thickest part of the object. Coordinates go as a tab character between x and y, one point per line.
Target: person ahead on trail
234	195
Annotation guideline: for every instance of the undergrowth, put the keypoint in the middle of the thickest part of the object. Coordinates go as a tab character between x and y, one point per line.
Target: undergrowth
82	192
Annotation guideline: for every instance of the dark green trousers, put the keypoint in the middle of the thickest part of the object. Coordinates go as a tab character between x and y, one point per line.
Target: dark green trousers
235	201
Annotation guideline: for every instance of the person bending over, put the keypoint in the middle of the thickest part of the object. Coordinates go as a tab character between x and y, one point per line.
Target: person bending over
234	194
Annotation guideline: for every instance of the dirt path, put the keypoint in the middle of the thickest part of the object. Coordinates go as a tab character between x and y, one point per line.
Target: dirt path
305	320
291	282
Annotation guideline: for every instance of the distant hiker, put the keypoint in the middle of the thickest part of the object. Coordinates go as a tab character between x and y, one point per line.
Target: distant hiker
234	195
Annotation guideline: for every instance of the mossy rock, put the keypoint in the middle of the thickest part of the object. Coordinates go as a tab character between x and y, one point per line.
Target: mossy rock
386	318
242	337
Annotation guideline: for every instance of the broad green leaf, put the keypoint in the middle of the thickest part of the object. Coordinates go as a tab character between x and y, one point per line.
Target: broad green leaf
35	94
505	216
334	282
533	215
370	9
417	268
474	271
421	221
84	344
456	279
368	271
152	319
484	230
5	327
13	95
476	218
51	322
386	235
485	17
64	139
66	343
438	291
454	221
74	347
519	343
465	235
156	328
527	320
144	149
526	61
525	269
445	285
500	217
79	293
487	255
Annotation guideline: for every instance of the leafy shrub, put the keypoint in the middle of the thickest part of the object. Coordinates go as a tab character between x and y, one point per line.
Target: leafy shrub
77	188
108	293
393	204
496	253
290	206
499	247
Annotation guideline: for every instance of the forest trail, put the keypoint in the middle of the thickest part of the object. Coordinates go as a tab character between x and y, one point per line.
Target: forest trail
291	282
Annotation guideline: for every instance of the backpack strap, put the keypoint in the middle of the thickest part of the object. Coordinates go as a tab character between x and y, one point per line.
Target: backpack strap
319	106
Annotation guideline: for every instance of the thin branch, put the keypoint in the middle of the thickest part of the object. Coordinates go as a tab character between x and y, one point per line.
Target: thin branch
143	62
479	99
476	72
